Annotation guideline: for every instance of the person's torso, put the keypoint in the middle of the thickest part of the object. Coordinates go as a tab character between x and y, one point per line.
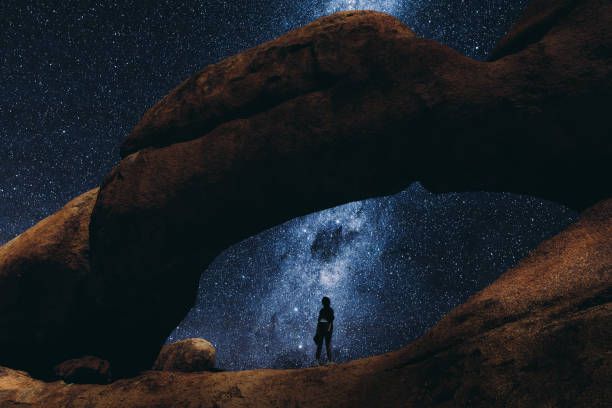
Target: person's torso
326	315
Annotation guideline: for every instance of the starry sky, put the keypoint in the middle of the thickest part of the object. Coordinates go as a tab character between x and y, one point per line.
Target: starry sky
392	267
76	76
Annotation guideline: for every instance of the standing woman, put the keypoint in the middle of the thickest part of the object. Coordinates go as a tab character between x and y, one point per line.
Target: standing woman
325	326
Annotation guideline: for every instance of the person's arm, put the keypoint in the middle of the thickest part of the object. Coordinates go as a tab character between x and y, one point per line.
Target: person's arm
331	321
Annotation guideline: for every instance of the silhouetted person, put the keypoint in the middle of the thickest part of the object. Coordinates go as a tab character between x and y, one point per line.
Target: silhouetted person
325	327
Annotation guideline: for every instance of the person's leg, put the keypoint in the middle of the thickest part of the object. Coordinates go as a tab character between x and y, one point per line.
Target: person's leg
318	338
328	347
319	346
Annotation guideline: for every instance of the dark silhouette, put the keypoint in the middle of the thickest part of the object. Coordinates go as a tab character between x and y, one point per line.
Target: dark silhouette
325	326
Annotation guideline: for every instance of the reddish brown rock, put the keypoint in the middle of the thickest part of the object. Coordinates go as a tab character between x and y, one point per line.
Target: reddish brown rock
189	355
539	336
84	370
328	81
43	274
337	49
351	106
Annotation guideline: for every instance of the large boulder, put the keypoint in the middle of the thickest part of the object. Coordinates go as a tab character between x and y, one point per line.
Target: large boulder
351	106
44	290
539	336
187	355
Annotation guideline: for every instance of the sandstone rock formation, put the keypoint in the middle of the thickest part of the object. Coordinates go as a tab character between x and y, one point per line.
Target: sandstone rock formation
84	370
187	355
43	290
539	336
351	106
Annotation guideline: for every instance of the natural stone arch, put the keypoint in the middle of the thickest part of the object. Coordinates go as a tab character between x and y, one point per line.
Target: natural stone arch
349	107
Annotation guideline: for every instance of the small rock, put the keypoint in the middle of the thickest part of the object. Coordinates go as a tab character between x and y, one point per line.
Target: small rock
84	370
187	355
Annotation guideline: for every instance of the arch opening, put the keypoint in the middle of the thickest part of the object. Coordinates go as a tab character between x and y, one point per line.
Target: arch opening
392	265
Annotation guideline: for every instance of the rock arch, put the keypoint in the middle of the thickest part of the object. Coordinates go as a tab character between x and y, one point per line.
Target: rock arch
351	106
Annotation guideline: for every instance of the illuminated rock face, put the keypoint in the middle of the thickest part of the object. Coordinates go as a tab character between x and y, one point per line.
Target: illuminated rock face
189	355
351	106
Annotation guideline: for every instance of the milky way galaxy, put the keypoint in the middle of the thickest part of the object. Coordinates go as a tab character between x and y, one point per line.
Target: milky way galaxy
386	6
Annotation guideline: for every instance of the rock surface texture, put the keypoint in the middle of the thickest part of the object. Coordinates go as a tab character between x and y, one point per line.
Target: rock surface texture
84	370
538	336
350	106
189	355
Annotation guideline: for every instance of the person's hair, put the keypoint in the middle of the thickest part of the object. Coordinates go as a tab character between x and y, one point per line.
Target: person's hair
325	301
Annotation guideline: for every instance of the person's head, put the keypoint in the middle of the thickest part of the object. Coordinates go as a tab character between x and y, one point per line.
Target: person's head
325	301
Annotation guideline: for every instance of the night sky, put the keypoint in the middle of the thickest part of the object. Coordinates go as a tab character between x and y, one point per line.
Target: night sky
392	267
76	76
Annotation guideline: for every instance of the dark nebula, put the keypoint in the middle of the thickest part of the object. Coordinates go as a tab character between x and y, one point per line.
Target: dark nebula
327	242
